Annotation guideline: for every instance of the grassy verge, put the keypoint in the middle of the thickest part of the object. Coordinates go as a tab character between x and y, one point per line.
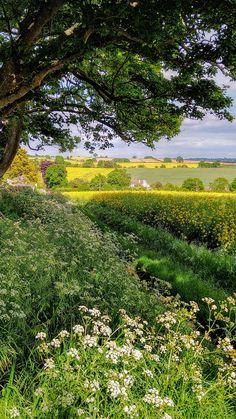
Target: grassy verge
160	255
81	336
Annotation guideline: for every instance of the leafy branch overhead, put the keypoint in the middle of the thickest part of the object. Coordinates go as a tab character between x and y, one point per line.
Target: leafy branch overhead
110	67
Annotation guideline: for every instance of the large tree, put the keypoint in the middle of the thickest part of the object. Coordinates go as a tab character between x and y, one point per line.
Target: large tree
130	68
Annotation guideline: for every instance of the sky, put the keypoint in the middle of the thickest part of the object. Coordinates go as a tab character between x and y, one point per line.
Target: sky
211	137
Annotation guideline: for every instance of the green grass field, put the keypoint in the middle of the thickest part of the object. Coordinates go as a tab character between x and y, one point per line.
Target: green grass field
177	176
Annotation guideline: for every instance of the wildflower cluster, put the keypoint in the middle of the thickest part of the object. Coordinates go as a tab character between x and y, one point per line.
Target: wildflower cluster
132	370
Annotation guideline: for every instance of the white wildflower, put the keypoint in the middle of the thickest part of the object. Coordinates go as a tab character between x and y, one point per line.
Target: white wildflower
137	354
90	341
64	334
148	373
130	410
41	336
95	386
14	413
73	352
55	343
78	329
49	364
39	392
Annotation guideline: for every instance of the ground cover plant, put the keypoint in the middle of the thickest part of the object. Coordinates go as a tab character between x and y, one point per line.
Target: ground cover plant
82	336
204	218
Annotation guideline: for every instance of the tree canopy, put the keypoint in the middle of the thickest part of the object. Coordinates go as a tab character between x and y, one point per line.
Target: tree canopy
133	69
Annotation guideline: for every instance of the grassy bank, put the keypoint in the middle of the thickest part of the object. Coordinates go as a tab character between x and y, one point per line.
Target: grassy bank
71	345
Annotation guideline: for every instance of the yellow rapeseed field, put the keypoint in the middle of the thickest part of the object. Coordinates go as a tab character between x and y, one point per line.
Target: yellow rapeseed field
85	173
153	165
205	217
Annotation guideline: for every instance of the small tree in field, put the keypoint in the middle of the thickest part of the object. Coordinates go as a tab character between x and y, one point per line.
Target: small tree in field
55	176
59	160
23	166
118	179
220	184
193	184
167	160
98	182
179	159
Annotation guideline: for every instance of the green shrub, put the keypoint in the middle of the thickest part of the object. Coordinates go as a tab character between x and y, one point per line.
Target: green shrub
193	184
219	185
56	176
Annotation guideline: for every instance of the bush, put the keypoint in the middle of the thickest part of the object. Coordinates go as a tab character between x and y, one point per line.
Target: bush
219	185
106	163
157	185
170	187
98	183
119	179
44	165
56	176
22	165
193	184
167	160
179	159
89	163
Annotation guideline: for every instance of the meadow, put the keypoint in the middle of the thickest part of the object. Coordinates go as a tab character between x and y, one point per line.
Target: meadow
177	176
85	335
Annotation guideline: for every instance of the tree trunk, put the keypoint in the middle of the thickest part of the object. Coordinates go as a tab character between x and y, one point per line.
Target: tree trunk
9	141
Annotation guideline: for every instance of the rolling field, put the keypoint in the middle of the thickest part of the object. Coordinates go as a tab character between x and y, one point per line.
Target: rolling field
153	165
177	176
85	173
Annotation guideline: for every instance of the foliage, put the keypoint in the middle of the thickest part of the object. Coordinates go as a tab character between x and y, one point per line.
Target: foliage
121	160
167	160
204	164
170	187
205	218
106	163
98	182
59	160
44	165
134	370
232	186
193	184
55	175
179	159
88	163
23	166
157	185
118	179
53	259
103	66
219	185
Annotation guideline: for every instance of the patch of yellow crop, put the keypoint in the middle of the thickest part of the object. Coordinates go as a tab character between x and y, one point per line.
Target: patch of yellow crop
85	173
156	165
86	195
209	218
